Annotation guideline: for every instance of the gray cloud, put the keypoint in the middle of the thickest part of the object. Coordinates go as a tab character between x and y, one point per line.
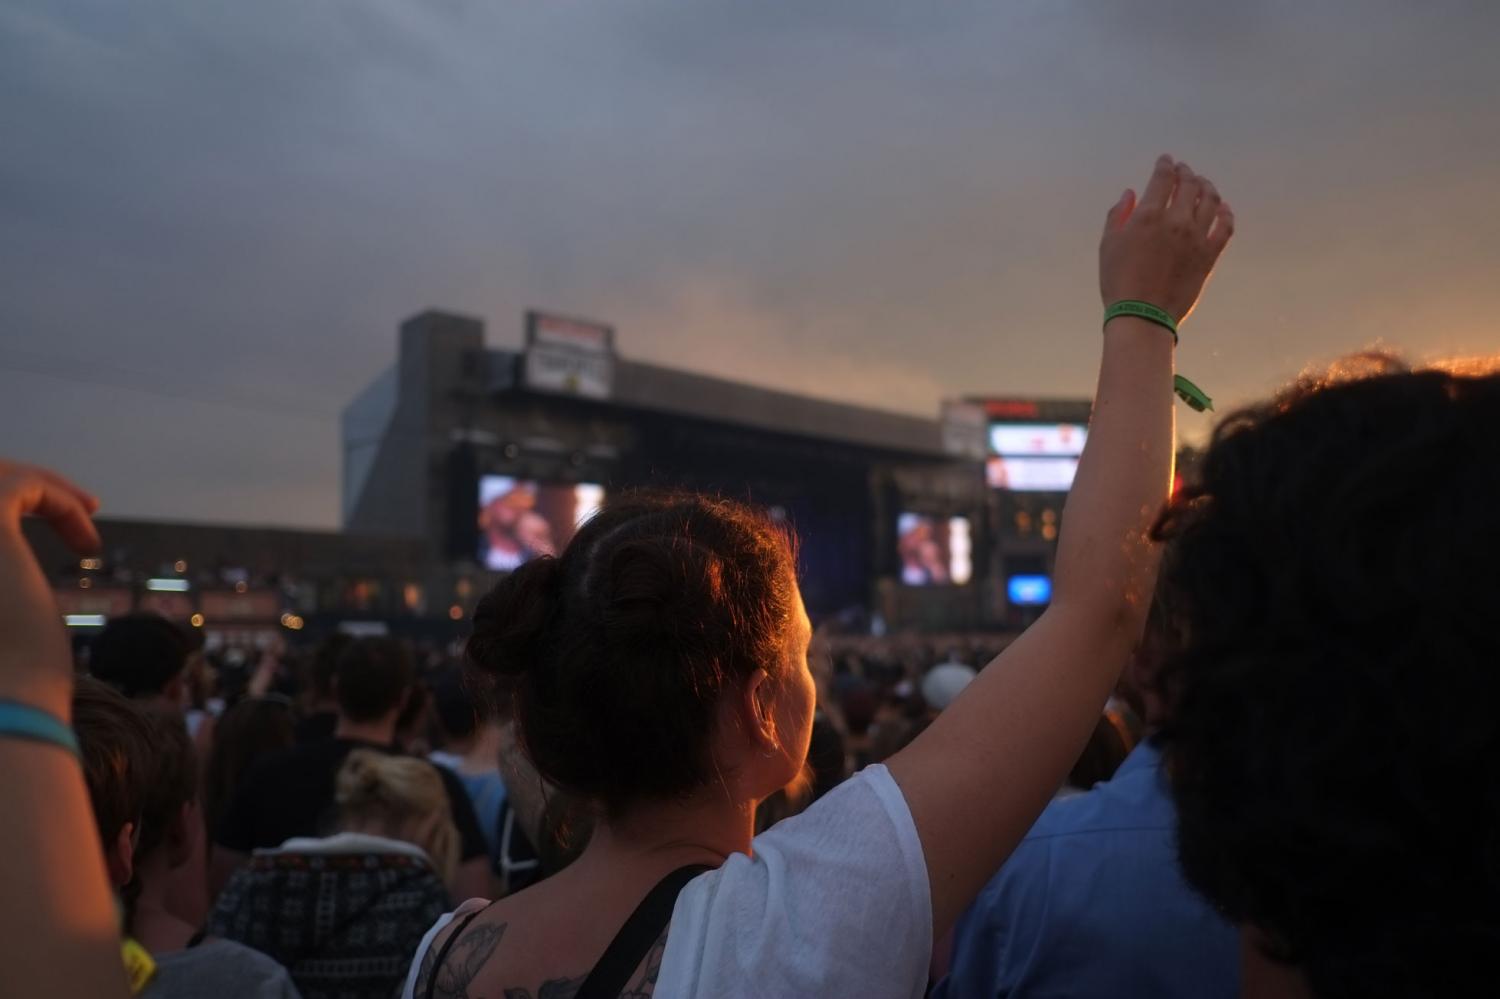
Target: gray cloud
876	201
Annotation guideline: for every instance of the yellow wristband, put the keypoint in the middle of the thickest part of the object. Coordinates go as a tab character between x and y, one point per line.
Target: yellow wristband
140	967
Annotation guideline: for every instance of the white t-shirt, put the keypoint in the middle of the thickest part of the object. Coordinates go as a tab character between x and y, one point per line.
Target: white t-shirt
834	902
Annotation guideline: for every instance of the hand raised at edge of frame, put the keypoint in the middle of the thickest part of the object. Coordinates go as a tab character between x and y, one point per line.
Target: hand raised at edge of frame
36	664
1162	247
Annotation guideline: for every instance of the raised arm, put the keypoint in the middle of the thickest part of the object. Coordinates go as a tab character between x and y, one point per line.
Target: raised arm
59	933
978	777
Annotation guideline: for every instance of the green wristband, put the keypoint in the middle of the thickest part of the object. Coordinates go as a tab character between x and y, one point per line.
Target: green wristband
22	721
1191	394
1143	310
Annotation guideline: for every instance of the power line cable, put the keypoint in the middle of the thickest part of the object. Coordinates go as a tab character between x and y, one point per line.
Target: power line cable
118	377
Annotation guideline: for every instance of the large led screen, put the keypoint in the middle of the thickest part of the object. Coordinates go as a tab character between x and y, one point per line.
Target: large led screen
1039	439
1035	457
1031	475
934	551
520	519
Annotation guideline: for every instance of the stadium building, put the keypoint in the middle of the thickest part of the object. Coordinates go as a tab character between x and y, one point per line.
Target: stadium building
462	460
493	455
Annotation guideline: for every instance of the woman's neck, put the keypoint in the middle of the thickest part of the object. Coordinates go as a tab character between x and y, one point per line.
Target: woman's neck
704	829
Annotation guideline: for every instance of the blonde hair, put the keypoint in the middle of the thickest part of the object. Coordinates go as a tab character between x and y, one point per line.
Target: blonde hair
401	797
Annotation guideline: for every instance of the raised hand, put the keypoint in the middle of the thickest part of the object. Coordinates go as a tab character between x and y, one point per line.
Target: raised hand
59	927
1162	248
36	665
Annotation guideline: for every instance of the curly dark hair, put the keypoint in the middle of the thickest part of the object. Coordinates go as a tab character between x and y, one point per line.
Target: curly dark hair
615	654
1333	675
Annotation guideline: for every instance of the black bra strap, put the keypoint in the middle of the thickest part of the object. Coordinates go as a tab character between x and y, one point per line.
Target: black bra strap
624	953
442	954
636	938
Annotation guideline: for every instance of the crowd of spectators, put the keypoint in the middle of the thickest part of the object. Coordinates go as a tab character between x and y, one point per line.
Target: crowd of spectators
292	821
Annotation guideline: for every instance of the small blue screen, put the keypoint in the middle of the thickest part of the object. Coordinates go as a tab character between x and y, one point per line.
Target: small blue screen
1029	590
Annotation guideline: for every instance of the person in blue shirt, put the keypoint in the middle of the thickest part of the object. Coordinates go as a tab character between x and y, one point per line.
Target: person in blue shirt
1093	903
471	730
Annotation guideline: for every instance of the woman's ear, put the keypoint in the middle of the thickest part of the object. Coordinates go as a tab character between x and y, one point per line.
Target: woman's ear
758	716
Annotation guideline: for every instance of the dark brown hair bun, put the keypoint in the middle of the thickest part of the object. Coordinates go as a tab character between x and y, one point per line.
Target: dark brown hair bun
510	620
616	653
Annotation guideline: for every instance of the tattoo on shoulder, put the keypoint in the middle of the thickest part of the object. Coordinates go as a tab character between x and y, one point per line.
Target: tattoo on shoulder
645	985
462	963
553	988
472	950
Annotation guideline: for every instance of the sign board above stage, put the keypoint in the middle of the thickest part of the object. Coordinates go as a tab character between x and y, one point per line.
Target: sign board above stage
560	331
569	372
569	356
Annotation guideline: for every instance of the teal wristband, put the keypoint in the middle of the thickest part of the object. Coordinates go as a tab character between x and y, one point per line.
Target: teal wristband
1143	310
22	721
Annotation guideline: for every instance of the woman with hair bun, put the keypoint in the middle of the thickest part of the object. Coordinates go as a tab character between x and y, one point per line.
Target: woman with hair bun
343	913
658	669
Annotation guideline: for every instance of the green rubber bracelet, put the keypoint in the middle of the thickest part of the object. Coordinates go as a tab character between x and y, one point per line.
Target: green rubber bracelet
23	721
1192	394
1143	310
1189	393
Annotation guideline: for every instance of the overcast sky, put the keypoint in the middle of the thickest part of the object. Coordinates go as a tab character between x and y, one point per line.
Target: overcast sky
214	213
